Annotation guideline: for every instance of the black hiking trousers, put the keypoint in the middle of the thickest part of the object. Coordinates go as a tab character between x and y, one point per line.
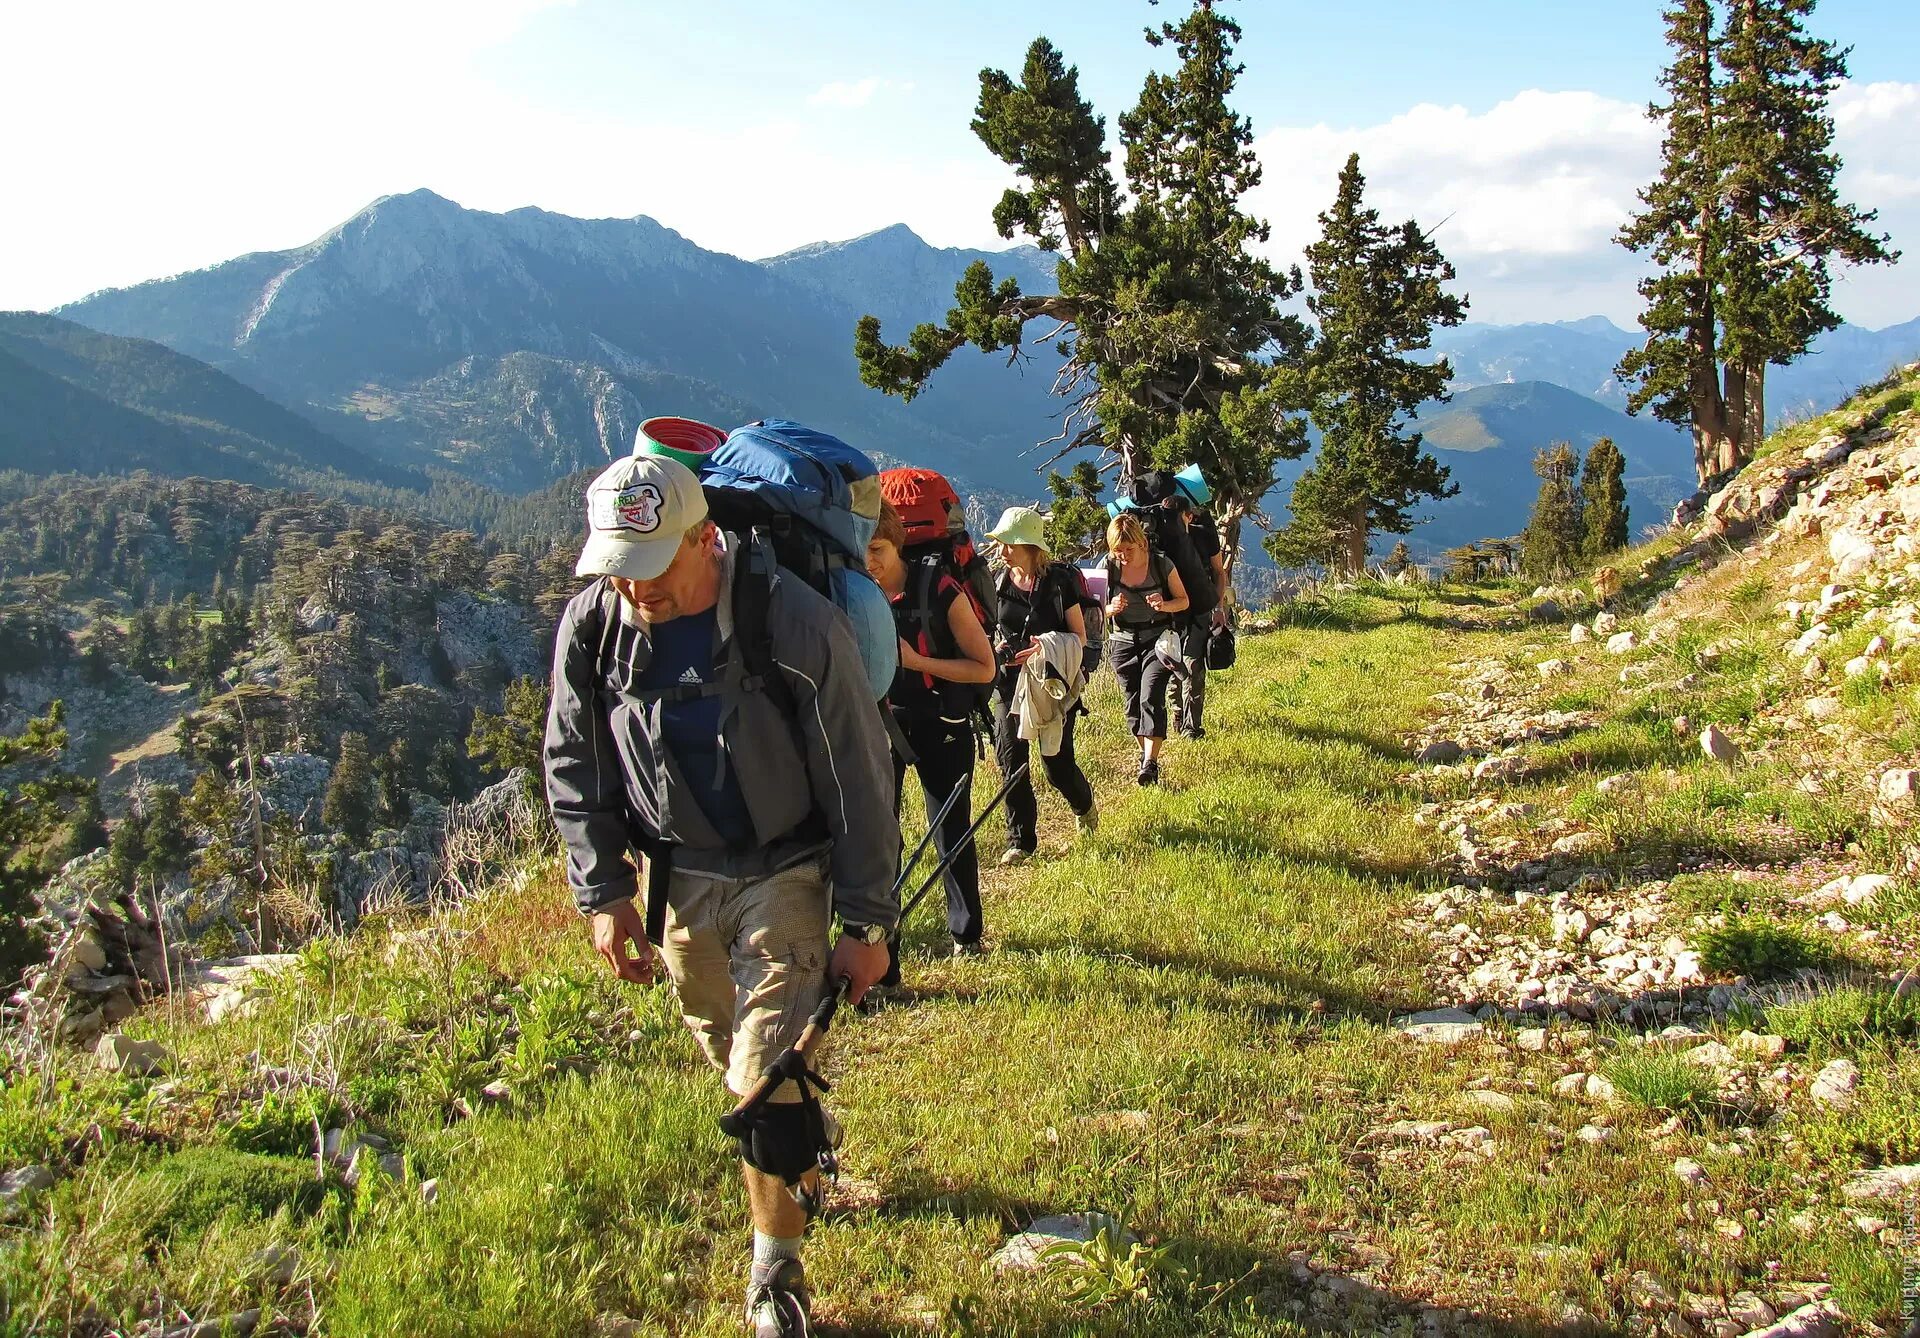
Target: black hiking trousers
1063	771
1143	679
945	750
1189	694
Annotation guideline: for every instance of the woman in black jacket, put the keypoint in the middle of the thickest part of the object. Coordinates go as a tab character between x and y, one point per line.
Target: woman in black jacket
1144	593
1037	596
943	649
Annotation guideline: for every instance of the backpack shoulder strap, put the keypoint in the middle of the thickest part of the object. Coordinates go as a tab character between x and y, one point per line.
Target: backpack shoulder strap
754	568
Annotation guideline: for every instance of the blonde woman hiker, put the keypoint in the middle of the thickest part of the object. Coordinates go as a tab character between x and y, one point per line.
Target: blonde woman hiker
1144	592
1037	595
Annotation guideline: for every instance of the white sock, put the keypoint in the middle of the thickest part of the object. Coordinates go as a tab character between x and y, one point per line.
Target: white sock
769	1251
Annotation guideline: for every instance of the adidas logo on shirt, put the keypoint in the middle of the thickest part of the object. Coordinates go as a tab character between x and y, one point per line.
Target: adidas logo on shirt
692	675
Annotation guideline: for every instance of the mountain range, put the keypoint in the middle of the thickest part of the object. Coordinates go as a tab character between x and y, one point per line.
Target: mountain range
422	338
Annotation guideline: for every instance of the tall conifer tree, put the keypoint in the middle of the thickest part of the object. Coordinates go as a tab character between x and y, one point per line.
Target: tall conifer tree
1175	349
1551	542
1377	294
1740	223
1603	500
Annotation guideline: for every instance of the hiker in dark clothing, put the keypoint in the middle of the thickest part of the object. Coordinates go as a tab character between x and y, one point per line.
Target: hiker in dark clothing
761	808
1188	690
943	648
1144	594
1037	596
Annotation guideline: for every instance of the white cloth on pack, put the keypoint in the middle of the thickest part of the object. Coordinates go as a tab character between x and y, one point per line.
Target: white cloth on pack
1049	686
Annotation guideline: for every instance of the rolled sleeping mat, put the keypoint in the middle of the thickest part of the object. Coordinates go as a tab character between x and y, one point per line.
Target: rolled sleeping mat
874	630
1194	484
684	439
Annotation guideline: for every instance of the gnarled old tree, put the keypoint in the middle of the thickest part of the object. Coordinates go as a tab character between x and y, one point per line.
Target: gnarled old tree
1175	348
1742	222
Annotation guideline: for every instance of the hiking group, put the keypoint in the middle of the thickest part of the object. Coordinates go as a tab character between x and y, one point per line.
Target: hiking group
775	635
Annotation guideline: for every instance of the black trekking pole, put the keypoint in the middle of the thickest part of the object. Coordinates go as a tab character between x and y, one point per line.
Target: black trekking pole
946	861
933	827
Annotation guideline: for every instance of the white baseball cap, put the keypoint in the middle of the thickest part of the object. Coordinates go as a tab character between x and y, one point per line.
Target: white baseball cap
638	510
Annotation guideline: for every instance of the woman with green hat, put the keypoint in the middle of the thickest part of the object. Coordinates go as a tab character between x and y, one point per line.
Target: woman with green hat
1037	595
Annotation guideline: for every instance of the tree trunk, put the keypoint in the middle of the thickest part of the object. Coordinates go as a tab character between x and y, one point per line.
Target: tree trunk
1232	512
1733	398
1355	560
1756	415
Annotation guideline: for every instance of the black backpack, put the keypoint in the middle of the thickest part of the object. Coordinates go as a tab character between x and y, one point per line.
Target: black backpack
926	564
1168	533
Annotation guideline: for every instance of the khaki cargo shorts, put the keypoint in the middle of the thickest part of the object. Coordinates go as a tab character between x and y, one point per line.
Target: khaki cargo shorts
748	957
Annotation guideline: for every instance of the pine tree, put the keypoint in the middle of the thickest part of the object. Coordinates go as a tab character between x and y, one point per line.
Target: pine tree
36	804
348	807
1400	559
1603	501
1551	542
1377	295
1168	318
1741	221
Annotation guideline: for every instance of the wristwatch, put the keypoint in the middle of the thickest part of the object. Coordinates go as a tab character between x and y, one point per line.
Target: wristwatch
871	935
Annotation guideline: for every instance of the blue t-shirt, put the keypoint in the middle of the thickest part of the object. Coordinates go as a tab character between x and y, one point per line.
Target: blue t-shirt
683	654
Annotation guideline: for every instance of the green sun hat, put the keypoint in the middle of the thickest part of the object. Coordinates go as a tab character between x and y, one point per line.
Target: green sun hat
1021	525
684	439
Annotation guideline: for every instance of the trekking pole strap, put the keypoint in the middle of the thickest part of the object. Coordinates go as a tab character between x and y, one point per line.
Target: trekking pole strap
791	1064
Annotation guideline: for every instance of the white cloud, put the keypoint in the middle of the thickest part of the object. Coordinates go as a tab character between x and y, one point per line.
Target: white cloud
846	95
1526	197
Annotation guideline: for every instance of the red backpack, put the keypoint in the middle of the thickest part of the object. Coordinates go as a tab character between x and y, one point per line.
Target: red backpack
936	532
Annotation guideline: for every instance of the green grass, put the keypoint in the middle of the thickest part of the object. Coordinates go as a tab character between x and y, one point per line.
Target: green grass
1182	1024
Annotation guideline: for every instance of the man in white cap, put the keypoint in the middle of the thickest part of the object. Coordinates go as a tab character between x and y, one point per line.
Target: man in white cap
711	712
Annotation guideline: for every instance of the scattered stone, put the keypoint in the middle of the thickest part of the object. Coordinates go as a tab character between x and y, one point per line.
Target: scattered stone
120	1053
1614	784
1834	1084
277	1265
1555	669
1899	786
1622	642
1822	1319
1593	1133
1689	1171
1712	1055
1579	634
1440	753
1440	1026
1023	1252
1605	624
1761	1046
1718	746
1822	709
18	1186
1886	1182
1412	1131
1490	1100
430	1191
229	1326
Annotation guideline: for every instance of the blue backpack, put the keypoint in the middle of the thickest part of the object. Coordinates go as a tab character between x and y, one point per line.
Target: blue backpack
816	501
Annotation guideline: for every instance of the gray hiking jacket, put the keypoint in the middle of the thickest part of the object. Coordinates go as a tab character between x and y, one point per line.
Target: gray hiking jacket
823	780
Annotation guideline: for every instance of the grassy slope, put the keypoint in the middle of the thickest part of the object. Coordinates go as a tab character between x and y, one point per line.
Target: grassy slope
1183	1024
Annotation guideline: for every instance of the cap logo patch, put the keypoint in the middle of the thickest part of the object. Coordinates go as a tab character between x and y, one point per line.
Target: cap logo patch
635	508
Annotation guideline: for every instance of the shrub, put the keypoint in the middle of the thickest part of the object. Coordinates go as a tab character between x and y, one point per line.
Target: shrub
196	1187
1660	1081
280	1123
1758	949
1846	1018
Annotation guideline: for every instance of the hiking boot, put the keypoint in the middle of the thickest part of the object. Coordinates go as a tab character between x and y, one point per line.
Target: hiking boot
1015	855
969	948
1088	822
1197	732
1149	773
778	1304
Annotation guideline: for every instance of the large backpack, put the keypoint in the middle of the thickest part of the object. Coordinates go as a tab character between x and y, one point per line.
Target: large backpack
1073	582
936	533
1143	495
815	501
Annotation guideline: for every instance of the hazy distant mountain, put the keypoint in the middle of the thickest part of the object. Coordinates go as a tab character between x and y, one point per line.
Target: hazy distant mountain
901	279
73	400
1582	354
517	347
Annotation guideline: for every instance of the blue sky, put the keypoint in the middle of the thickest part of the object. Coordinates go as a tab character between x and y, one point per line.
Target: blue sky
171	137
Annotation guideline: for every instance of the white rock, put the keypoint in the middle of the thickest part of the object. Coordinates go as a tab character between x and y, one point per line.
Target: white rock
1852	553
1899	786
19	1185
1718	746
1554	669
1605	624
1579	634
1862	889
1490	1100
1819	1320
430	1191
1712	1055
120	1053
1621	642
1615	784
1761	1046
1857	667
1686	968
1887	1182
1440	1026
1593	1133
1814	668
1809	640
1834	1084
1690	1171
1821	708
1876	648
1023	1252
